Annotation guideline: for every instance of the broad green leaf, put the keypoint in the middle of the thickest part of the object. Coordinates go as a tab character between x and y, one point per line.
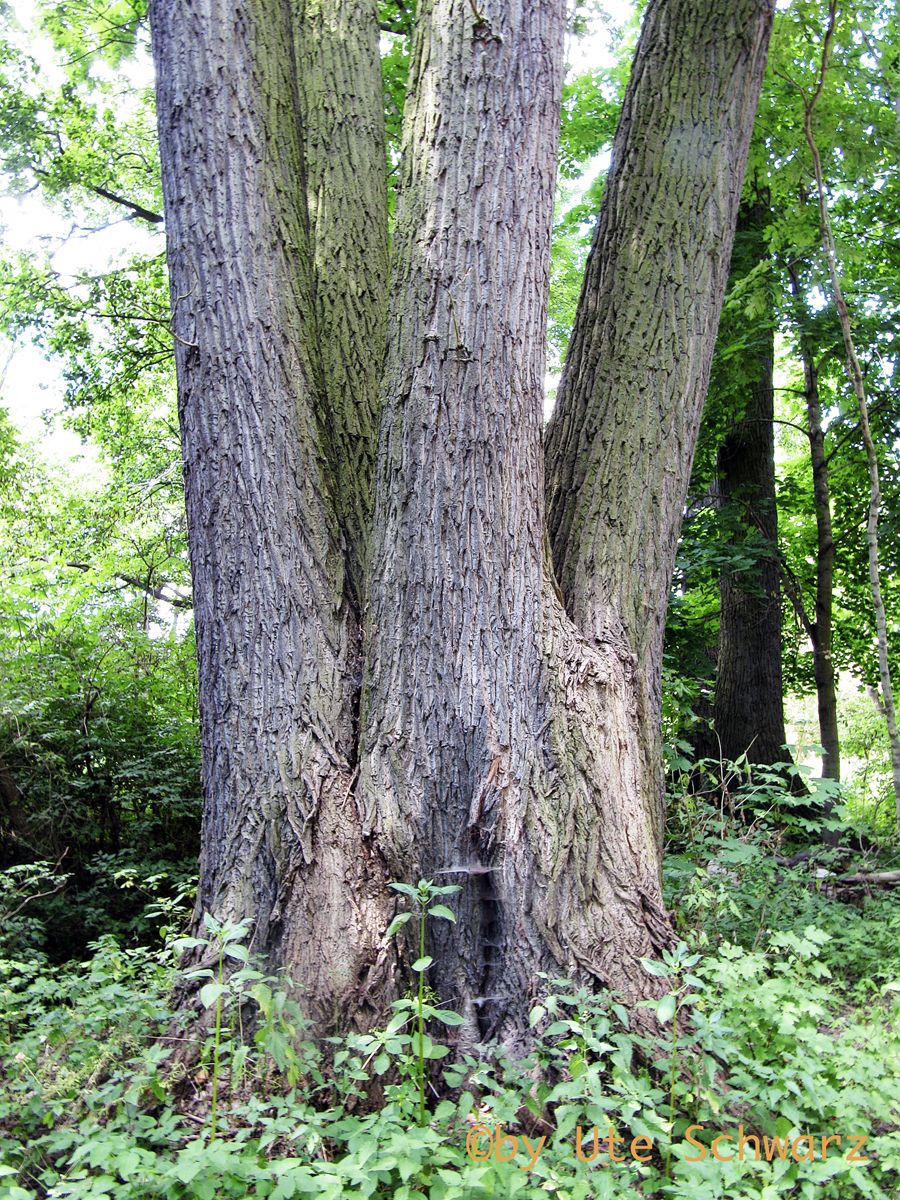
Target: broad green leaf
398	922
665	1010
447	1016
211	992
441	910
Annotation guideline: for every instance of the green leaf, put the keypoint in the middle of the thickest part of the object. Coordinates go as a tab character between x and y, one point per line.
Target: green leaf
188	943
447	1016
211	992
237	1063
405	889
653	967
665	1010
558	1027
441	910
398	922
428	1048
622	1013
397	1021
422	964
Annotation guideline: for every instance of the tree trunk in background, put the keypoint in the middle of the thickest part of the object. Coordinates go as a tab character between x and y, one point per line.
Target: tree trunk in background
819	631
749	716
277	629
855	375
823	662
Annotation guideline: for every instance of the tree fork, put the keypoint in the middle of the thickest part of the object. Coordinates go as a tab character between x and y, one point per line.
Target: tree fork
506	743
514	748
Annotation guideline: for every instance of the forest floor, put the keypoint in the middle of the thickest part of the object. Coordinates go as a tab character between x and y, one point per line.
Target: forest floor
777	1073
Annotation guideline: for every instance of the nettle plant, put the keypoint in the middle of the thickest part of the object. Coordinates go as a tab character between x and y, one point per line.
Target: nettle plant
278	1019
404	1042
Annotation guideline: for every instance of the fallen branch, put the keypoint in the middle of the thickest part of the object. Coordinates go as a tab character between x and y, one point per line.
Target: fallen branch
876	878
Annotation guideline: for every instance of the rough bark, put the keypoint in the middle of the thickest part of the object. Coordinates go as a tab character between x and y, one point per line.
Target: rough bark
749	715
819	631
621	441
276	632
505	745
342	124
504	749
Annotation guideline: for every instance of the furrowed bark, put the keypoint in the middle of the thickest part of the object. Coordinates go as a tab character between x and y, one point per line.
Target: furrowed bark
505	745
342	116
276	633
502	749
453	659
749	715
621	441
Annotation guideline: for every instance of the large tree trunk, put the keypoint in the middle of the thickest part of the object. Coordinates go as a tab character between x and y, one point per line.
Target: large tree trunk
749	715
508	745
505	743
274	508
621	442
342	123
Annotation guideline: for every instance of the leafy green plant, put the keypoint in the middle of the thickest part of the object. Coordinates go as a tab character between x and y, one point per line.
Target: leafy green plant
22	886
226	938
673	966
422	897
765	1039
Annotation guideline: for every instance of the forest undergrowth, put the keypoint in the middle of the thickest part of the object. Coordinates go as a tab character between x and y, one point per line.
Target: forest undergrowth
780	1031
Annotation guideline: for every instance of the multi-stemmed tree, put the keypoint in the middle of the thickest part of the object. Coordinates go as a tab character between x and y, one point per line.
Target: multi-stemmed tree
429	638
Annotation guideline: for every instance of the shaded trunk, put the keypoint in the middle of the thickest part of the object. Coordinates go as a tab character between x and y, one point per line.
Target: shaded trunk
342	124
14	830
819	630
269	510
823	661
749	716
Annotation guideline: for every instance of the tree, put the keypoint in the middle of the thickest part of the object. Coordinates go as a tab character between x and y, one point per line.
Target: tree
839	84
403	688
854	371
819	630
749	717
821	562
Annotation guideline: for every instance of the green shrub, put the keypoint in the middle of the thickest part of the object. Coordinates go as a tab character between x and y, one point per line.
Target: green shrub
94	1104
